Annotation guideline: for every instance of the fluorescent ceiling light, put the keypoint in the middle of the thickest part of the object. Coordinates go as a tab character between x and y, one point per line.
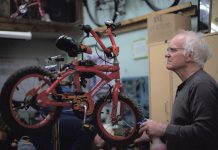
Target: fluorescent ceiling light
16	35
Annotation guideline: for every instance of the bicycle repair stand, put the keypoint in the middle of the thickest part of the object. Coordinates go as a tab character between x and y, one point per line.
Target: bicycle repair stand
56	136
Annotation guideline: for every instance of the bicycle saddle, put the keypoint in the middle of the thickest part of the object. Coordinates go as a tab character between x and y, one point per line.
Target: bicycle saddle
68	44
72	47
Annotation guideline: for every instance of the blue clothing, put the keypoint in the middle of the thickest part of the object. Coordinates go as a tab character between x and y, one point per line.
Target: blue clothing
72	136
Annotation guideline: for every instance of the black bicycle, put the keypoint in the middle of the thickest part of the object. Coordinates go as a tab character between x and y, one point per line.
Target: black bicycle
114	9
107	9
161	4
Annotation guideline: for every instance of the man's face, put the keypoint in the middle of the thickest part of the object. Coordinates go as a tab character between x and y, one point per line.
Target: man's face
176	58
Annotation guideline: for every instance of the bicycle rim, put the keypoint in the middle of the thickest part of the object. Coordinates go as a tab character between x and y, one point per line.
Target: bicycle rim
24	105
101	10
125	129
161	4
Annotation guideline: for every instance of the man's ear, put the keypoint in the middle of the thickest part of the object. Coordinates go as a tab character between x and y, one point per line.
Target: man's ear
189	57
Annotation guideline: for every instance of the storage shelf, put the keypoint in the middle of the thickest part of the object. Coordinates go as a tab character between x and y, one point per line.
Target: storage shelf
38	26
141	21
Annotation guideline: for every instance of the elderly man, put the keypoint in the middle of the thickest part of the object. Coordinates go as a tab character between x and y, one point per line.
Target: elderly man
194	121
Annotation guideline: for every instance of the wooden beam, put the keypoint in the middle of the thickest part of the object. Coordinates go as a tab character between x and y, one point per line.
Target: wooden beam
39	26
141	21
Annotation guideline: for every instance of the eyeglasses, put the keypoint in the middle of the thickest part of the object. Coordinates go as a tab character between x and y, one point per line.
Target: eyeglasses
173	50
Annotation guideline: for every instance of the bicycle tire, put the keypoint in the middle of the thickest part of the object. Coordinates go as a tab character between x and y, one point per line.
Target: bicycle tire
124	131
94	14
156	4
18	103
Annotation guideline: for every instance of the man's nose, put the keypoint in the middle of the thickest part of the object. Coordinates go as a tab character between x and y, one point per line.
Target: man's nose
167	55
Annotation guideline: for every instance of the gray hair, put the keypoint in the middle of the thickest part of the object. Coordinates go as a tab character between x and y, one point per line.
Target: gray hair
195	43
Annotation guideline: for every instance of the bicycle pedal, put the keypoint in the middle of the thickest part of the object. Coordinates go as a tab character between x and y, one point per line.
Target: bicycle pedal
88	127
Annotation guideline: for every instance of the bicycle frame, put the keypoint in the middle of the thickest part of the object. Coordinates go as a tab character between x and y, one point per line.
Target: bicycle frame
98	70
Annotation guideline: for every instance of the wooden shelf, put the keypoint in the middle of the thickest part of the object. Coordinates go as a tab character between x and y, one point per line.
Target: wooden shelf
38	26
141	21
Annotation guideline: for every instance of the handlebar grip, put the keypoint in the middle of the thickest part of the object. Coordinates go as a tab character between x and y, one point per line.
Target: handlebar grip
85	28
85	49
116	25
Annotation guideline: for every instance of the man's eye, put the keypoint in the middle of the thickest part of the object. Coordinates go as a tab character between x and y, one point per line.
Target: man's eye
173	49
169	49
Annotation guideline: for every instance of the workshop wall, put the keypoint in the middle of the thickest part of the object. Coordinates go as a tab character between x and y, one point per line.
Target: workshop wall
131	65
133	52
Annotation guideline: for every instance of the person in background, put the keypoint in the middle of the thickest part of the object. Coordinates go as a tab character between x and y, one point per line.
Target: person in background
194	120
72	134
68	134
3	135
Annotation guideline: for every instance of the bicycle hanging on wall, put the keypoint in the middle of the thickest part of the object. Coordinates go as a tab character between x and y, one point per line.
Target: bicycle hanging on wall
113	9
98	9
32	98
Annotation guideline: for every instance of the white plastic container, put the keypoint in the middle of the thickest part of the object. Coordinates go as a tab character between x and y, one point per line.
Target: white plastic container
157	144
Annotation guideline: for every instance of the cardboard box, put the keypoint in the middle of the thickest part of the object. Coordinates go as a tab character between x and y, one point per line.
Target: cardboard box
163	27
214	17
212	63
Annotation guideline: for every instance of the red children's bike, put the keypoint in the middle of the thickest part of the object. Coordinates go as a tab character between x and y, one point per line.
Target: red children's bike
23	7
32	98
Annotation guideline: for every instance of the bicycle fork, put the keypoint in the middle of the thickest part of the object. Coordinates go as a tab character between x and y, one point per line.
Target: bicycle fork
116	89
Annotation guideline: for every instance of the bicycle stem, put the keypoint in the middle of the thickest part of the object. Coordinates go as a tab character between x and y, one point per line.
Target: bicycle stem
115	101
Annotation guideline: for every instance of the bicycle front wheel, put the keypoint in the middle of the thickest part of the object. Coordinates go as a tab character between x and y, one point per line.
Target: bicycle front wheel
20	107
125	129
101	10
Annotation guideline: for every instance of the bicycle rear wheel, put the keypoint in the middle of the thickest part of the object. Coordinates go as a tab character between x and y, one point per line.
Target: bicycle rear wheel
125	129
161	4
101	10
20	107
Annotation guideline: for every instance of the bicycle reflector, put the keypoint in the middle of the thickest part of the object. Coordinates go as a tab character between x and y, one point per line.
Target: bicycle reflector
68	44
